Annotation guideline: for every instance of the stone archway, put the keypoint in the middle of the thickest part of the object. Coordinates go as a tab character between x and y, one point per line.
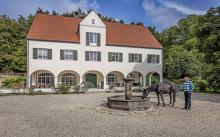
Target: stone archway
138	78
152	78
42	79
114	78
69	78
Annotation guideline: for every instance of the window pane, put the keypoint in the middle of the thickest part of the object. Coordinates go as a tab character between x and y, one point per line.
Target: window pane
94	55
92	37
111	78
115	56
134	57
152	58
69	79
45	80
42	53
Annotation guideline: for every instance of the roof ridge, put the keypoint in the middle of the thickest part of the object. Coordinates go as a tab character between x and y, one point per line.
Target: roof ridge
58	16
84	17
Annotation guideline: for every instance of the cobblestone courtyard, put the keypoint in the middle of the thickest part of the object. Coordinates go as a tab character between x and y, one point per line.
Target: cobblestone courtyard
85	115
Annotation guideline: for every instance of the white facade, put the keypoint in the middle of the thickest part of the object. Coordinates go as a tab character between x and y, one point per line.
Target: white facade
80	66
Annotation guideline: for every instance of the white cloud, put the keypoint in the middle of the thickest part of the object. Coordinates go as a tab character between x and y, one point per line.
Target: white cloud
72	5
165	14
182	9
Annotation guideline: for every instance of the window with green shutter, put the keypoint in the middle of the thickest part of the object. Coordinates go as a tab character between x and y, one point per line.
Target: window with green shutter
49	53
42	53
61	54
93	39
35	54
153	58
115	57
68	54
135	57
92	56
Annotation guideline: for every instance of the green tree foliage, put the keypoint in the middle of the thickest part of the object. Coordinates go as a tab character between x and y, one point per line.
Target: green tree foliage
195	41
13	43
137	23
179	61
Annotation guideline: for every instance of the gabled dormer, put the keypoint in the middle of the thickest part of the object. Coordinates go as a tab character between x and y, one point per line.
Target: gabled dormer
92	30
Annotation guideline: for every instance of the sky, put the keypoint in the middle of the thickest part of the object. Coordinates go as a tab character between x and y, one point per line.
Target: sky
158	13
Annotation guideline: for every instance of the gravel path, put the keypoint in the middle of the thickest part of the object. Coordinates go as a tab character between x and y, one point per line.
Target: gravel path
84	115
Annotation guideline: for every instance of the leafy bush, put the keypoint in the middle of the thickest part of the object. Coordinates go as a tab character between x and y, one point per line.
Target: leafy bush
202	85
63	89
14	82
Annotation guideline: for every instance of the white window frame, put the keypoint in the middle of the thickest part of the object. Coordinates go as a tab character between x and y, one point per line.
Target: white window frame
93	38
93	56
42	53
45	79
111	79
68	55
69	79
135	57
153	58
115	57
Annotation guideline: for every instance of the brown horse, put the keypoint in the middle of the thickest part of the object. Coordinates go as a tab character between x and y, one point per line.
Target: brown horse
160	89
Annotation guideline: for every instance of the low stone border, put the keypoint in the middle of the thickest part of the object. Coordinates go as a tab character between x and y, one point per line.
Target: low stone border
153	110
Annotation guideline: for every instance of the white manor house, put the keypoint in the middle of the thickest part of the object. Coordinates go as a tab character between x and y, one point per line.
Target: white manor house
70	51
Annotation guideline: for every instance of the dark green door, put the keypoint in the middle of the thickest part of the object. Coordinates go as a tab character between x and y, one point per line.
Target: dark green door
91	80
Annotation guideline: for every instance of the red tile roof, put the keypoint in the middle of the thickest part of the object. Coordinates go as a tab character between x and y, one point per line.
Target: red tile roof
66	29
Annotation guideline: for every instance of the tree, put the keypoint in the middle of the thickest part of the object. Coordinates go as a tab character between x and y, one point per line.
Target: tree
121	21
39	10
55	13
179	61
140	24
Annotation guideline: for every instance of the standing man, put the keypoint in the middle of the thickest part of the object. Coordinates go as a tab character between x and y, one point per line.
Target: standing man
187	88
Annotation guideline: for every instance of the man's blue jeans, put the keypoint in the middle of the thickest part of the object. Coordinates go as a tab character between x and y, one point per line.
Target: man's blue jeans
187	96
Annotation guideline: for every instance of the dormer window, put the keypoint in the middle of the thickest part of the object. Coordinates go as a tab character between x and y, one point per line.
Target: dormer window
92	39
93	21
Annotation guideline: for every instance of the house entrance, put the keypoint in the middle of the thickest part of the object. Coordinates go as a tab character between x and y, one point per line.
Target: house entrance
91	79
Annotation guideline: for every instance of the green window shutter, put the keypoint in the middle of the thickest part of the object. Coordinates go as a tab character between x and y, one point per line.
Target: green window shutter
120	57
109	56
49	53
98	39
148	58
158	59
75	55
99	56
86	55
61	54
35	50
140	58
87	38
129	56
